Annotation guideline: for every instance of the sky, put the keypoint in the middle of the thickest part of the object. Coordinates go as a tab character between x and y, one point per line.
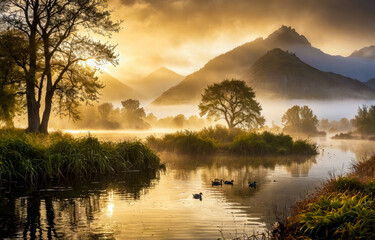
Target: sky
183	35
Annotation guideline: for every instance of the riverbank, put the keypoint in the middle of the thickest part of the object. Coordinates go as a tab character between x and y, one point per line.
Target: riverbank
28	158
344	208
233	141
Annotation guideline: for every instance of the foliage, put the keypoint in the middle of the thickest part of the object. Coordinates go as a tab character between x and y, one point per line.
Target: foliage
11	87
343	208
233	101
185	142
34	157
133	114
53	43
365	120
269	143
339	216
300	119
211	140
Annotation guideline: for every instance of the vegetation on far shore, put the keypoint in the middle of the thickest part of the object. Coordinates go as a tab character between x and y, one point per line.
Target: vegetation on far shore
31	158
344	208
220	139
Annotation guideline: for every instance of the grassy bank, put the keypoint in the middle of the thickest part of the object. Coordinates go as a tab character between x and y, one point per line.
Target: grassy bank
343	209
236	141
31	158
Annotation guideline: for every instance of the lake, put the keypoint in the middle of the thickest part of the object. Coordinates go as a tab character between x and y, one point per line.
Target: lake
159	205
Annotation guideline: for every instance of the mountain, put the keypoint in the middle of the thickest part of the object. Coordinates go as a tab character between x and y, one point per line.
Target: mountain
236	63
157	82
365	53
279	74
115	90
371	83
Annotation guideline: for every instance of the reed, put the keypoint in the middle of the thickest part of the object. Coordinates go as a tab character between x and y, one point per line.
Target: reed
32	158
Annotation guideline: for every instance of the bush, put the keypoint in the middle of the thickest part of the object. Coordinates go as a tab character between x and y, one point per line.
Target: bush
339	216
36	157
269	143
185	142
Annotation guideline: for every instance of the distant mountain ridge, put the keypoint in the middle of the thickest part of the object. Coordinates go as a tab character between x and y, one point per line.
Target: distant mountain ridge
365	53
279	74
157	82
371	83
115	90
237	62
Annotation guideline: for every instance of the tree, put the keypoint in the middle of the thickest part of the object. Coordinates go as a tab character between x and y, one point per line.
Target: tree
105	110
233	101
300	119
133	114
11	86
57	43
364	121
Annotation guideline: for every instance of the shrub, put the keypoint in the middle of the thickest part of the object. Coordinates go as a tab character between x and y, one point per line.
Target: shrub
339	216
36	157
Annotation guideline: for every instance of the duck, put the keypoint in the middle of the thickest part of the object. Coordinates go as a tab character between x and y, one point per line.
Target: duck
229	182
252	184
197	195
217	182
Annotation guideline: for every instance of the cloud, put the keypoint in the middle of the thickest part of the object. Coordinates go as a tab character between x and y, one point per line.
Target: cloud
184	34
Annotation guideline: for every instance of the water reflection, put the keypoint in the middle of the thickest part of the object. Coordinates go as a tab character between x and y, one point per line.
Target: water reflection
160	205
61	211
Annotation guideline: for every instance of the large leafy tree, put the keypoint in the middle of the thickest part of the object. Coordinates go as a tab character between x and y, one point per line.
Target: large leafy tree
233	101
300	119
55	37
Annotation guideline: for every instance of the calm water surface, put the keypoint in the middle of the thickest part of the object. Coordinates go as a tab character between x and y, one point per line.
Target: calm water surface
160	205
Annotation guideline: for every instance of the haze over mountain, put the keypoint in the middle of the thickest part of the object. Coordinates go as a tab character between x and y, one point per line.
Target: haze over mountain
365	53
115	90
156	83
280	74
371	83
236	63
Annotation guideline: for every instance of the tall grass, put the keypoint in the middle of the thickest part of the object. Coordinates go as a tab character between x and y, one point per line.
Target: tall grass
344	208
35	157
235	141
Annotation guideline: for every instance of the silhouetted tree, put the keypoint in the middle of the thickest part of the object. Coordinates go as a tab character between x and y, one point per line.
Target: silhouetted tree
105	110
300	119
365	120
11	84
133	114
57	40
233	101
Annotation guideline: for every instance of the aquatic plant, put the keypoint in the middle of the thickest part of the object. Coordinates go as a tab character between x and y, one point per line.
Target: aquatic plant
32	157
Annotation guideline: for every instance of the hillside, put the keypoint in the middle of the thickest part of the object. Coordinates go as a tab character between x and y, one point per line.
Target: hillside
115	90
371	83
365	53
157	82
280	74
236	63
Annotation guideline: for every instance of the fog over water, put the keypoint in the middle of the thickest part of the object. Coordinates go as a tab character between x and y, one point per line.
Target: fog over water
274	109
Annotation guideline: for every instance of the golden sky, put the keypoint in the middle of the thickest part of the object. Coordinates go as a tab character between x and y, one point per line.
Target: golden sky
184	34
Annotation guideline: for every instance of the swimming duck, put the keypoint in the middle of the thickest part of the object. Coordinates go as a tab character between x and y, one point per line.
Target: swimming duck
229	182
217	182
197	196
252	184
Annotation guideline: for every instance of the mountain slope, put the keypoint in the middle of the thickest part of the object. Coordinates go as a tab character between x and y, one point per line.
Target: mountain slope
235	64
157	82
115	90
280	74
371	83
365	53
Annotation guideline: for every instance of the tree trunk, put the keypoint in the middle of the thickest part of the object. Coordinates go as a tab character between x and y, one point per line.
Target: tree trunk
32	105
43	128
